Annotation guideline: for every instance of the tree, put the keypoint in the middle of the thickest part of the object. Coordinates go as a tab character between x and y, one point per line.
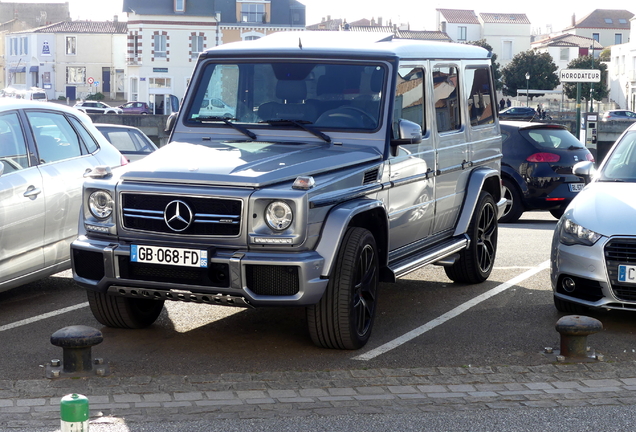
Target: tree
605	55
496	67
541	68
600	89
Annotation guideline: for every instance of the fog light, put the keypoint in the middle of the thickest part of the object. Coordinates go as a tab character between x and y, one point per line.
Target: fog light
568	285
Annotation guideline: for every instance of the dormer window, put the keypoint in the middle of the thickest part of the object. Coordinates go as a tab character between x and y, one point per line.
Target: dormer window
253	12
179	6
608	20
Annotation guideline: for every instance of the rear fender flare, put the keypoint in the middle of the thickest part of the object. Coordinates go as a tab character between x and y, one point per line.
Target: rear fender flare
480	179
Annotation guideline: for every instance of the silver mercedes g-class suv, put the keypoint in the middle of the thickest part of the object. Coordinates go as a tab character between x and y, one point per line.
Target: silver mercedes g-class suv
339	160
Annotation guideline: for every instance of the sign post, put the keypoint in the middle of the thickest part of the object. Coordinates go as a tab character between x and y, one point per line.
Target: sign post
579	76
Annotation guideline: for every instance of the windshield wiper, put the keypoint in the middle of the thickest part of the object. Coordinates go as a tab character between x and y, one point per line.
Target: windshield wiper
301	124
227	121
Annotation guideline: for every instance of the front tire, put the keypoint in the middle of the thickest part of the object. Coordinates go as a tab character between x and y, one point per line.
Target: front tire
124	312
344	316
475	263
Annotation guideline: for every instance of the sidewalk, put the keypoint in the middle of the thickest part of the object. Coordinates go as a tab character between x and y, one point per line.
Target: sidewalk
35	403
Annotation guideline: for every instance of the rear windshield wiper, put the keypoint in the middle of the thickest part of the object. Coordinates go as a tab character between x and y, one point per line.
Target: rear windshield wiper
573	147
301	124
227	121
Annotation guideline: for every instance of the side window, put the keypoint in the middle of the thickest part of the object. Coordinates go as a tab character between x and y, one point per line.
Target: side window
409	98
480	99
13	151
89	141
55	139
446	97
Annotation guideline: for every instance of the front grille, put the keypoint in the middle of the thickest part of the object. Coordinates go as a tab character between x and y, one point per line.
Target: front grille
617	252
211	216
272	280
216	275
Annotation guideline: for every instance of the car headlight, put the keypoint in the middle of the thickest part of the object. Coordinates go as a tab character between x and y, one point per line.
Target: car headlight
278	215
571	233
100	204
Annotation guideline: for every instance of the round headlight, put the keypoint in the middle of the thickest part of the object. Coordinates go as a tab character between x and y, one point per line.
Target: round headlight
100	204
278	215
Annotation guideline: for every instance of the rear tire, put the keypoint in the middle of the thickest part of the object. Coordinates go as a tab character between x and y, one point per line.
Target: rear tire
124	312
569	307
514	207
475	263
344	316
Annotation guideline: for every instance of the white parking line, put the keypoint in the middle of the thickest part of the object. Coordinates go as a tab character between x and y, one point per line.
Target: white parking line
43	316
369	355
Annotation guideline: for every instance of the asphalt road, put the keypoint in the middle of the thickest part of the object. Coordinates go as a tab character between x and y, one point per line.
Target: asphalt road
511	326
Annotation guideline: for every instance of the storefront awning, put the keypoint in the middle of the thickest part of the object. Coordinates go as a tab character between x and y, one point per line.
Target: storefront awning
17	69
34	69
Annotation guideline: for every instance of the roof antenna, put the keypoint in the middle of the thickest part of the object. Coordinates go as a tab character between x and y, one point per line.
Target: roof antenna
300	44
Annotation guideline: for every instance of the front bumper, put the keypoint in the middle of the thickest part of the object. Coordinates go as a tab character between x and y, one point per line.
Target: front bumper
587	267
244	278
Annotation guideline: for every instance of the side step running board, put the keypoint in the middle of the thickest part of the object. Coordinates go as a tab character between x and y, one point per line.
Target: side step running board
410	263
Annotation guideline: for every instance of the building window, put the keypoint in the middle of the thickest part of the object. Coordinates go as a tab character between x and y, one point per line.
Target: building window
196	46
507	50
179	5
462	33
14	46
134	89
565	54
160	45
596	37
159	83
251	38
618	39
608	21
253	12
75	75
24	46
136	46
71	45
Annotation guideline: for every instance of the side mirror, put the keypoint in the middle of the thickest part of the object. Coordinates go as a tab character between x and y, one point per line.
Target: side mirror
408	133
171	122
585	169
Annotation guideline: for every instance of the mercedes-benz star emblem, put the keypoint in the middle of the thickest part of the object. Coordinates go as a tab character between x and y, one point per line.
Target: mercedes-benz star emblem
178	215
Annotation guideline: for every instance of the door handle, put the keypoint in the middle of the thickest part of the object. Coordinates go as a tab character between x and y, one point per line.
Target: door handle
32	192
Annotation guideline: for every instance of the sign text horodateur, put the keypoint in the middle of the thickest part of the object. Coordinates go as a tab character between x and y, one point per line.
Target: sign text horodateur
580	75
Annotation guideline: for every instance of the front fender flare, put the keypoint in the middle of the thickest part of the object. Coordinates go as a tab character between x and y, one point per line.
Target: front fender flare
336	224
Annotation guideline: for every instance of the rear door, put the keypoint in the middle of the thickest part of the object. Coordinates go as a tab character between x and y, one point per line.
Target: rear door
63	147
22	204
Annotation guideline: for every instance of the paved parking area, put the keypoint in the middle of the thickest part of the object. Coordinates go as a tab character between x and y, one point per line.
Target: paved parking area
35	403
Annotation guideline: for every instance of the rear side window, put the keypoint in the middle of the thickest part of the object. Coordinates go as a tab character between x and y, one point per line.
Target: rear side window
55	138
550	138
480	99
89	141
447	111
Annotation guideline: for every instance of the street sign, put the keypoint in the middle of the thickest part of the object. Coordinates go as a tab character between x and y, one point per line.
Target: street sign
90	80
96	83
580	75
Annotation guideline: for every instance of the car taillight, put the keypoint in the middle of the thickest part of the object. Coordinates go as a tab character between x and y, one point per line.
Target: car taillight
543	157
123	160
589	157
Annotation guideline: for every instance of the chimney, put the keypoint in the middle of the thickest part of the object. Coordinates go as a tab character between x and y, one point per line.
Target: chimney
573	19
328	17
443	26
380	21
116	18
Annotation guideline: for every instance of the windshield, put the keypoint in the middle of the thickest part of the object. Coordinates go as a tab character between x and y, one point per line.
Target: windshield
621	162
326	95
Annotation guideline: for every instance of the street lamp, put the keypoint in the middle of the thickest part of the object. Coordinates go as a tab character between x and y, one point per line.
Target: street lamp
592	84
527	87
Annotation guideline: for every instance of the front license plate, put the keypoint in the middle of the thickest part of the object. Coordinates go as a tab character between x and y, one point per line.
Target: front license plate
169	256
576	187
627	273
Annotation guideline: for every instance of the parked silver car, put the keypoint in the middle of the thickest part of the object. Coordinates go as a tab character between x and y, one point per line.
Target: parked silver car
45	151
130	141
594	246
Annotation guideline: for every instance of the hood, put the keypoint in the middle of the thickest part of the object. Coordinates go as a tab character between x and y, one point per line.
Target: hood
244	164
606	208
